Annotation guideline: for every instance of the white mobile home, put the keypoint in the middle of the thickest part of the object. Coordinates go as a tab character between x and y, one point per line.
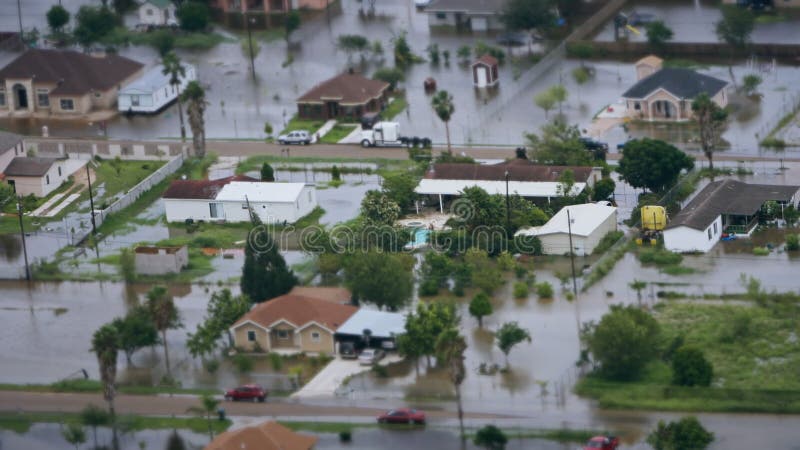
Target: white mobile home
588	223
157	12
152	91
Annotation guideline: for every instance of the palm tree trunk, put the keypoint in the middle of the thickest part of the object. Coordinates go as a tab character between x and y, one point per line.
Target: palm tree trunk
94	435
166	352
710	156
460	412
180	116
447	133
112	413
480	321
210	430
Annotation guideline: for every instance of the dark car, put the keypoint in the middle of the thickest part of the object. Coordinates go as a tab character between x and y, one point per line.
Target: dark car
347	350
403	415
251	392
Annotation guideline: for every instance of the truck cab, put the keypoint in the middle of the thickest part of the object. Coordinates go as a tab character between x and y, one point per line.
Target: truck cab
382	134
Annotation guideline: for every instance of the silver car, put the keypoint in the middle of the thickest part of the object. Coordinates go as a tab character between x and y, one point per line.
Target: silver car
370	356
295	137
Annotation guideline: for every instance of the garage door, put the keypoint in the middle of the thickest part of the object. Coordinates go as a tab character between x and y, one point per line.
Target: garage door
479	24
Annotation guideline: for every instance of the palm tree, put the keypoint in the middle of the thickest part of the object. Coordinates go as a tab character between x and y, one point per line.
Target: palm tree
171	65
164	315
105	344
710	119
443	105
637	286
450	347
207	409
195	97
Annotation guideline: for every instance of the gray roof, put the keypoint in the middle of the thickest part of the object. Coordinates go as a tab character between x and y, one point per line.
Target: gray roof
8	141
682	83
468	6
23	166
382	324
729	197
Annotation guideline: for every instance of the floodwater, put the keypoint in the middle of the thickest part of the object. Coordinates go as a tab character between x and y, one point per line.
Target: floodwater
48	436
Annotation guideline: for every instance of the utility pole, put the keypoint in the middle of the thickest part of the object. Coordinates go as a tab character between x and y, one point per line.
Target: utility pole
91	198
250	46
19	15
508	208
22	235
572	255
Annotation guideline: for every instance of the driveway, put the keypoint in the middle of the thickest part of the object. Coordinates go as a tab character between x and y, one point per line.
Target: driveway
331	377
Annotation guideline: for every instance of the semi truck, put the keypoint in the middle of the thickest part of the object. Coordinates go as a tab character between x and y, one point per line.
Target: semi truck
387	134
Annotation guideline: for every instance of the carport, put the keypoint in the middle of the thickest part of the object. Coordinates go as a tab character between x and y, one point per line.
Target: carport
382	327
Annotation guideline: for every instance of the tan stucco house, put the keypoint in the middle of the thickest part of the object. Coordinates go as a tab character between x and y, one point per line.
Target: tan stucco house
666	94
63	83
292	323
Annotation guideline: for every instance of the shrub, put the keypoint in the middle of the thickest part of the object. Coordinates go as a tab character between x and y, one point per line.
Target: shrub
521	290
505	261
793	242
345	436
659	257
193	16
276	361
760	251
773	142
685	434
243	363
380	371
211	366
738	328
428	288
490	437
389	75
544	290
691	368
607	241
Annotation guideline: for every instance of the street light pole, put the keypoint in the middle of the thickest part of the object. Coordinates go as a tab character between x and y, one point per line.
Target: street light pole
572	255
250	46
22	235
508	208
91	198
19	16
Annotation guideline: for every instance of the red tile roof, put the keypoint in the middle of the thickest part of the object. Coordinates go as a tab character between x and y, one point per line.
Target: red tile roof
347	88
199	189
518	170
267	436
487	59
299	311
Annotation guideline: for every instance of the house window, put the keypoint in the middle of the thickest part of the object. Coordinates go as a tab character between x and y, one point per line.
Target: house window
215	210
149	11
315	336
67	104
2	98
283	334
309	196
59	172
637	106
441	15
715	227
134	100
43	98
709	234
251	336
47	179
166	92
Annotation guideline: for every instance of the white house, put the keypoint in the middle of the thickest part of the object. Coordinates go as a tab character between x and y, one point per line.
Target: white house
10	147
39	176
473	15
157	12
588	223
152	91
230	199
723	206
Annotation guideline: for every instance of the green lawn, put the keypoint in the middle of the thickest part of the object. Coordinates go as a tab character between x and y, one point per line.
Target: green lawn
754	352
337	133
120	179
301	124
398	105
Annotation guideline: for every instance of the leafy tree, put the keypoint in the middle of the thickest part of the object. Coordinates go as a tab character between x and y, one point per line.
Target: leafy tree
490	437
384	279
559	144
399	187
581	75
750	83
424	326
207	408
105	343
509	335
352	43
560	94
163	41
658	34
403	56
624	341
175	441
57	18
434	271
686	434
545	100
265	274
377	209
736	26
463	53
136	330
443	106
224	310
603	189
528	14
710	119
123	6
450	348
195	97
291	23
391	75
164	316
638	286
485	275
74	434
172	67
127	265
691	368
93	416
193	16
7	195
652	164
203	341
480	306
267	174
93	24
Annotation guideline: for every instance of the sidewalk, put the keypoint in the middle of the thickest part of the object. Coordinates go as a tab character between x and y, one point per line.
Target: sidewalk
333	375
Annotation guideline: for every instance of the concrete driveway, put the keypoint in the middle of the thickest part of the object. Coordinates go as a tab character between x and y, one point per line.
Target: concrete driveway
331	377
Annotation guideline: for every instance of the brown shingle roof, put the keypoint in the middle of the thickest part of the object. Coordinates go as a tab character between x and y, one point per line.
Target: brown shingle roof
199	189
331	294
347	88
77	73
486	59
299	311
267	436
518	170
23	166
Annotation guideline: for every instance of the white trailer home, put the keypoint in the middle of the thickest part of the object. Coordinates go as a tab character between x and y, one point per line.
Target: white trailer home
151	92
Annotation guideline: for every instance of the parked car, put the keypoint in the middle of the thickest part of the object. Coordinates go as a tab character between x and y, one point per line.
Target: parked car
252	392
403	415
512	39
347	350
370	356
295	137
602	443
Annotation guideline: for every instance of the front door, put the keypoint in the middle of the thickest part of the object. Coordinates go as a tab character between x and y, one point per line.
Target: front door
22	96
333	110
482	78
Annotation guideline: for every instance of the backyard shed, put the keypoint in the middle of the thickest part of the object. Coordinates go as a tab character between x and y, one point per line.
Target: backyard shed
588	223
485	71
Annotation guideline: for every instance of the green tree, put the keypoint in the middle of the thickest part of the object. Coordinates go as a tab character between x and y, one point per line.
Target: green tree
391	75
74	434
352	43
480	306
463	53
172	67
193	16
203	341
267	174
175	441
528	14
710	120
127	265
490	437
560	94
485	275
399	187
224	310
383	279
559	144
163	41
265	274
164	316
442	103
638	286
105	344
403	57
624	341
686	434
207	408
423	327
123	6
93	416
450	348
93	24
7	195
658	34
509	335
291	23
377	209
603	189
750	83
652	164
736	26
57	18
195	97
435	271
691	368
136	330
545	100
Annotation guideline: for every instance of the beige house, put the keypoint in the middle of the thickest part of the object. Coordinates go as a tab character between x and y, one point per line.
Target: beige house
39	176
63	83
292	323
666	94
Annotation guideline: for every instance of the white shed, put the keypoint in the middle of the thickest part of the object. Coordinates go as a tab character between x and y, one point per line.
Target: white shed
588	223
157	12
152	91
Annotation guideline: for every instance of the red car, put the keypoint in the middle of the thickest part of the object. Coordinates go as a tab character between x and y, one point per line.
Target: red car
252	392
403	415
602	443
